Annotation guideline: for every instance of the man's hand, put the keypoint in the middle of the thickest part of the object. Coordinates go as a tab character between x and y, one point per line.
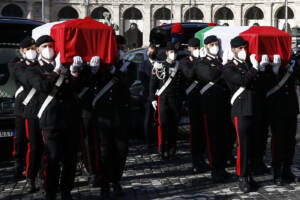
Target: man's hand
254	62
264	62
95	64
276	63
76	65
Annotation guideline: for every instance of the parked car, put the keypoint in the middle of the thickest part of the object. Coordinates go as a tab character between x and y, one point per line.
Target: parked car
13	30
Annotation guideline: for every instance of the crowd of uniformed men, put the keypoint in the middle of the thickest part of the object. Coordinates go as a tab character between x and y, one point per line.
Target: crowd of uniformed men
228	100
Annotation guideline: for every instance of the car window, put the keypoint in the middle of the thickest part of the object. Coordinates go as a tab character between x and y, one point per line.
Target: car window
7	84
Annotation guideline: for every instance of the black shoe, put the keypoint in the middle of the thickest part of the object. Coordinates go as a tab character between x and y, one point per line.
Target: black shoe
117	190
288	176
164	156
278	181
105	195
253	184
244	184
93	181
66	196
200	166
31	186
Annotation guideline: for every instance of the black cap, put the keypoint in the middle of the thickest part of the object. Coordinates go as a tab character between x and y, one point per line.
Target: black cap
121	39
237	42
210	39
43	39
27	42
194	42
170	46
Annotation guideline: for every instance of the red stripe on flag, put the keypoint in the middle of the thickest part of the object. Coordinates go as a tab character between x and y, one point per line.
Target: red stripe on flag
29	144
207	140
238	160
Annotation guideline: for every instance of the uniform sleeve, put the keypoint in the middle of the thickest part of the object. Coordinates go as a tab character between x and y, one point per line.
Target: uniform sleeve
20	74
154	84
38	82
239	76
187	70
297	68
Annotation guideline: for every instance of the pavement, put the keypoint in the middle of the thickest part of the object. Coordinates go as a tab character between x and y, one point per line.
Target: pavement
147	177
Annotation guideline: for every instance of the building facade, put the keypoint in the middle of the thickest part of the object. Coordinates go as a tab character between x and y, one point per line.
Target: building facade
149	13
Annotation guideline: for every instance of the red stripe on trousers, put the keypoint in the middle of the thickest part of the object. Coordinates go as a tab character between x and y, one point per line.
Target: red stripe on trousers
238	160
207	140
83	147
159	129
28	150
14	146
191	132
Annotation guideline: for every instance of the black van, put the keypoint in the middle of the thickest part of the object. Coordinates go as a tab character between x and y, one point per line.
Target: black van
13	30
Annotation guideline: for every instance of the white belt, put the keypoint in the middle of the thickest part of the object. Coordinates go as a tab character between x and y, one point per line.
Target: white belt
236	94
49	98
29	96
104	90
191	87
279	85
19	90
206	87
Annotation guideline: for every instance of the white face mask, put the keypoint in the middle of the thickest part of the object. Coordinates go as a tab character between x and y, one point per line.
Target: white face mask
30	54
242	55
48	53
196	53
214	50
172	56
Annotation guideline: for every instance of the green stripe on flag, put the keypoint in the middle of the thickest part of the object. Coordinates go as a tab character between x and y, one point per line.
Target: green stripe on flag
200	35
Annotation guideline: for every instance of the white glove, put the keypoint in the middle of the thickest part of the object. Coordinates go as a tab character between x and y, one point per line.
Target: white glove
95	64
154	104
254	62
276	63
77	64
59	68
264	62
291	66
203	52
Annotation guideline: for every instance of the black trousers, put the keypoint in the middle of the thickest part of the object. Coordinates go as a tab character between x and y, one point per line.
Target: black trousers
60	147
197	132
283	140
35	148
216	133
149	133
261	136
246	144
89	143
112	135
168	122
20	142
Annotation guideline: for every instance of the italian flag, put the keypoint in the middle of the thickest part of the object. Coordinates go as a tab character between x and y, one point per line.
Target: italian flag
261	40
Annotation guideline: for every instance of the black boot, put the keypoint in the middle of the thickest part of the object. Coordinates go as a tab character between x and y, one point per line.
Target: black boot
253	184
260	169
105	194
19	171
244	184
200	166
93	181
50	196
117	189
278	176
66	195
31	186
287	175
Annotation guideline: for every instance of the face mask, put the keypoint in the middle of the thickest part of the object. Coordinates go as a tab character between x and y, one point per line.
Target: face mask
172	56
242	55
48	53
121	54
214	50
196	53
30	54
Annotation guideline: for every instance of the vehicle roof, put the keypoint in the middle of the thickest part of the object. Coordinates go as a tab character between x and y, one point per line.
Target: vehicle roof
184	25
18	20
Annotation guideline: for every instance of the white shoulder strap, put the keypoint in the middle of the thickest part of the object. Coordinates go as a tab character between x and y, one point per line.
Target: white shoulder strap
167	83
19	90
29	96
237	94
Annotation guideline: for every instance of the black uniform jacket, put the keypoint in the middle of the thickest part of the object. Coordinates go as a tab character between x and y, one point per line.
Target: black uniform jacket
64	104
284	102
174	89
241	74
